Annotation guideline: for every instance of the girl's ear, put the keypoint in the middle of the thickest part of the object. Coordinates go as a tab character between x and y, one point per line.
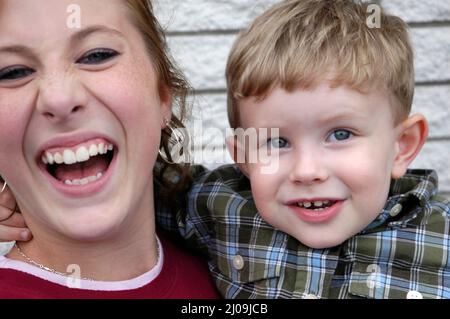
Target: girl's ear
413	134
237	152
165	98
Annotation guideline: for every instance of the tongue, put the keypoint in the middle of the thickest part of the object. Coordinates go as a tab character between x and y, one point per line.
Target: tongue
92	167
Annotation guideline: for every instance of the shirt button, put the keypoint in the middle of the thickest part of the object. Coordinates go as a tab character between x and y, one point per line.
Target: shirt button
395	210
413	294
310	296
238	262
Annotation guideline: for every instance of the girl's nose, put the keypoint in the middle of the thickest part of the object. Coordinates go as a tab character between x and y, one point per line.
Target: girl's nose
61	97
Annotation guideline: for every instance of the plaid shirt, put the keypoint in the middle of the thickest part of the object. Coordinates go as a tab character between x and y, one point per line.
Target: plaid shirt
405	250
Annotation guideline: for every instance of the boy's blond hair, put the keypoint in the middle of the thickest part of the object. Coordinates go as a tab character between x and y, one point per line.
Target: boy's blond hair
298	43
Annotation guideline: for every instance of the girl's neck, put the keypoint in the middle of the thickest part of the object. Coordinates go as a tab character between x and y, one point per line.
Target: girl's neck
125	254
116	264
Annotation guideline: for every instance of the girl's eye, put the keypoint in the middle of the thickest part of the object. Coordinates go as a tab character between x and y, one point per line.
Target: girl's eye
340	135
98	56
278	142
15	73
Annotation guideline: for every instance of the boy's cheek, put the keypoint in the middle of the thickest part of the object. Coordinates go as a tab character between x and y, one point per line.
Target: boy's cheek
261	196
264	187
366	160
265	164
367	179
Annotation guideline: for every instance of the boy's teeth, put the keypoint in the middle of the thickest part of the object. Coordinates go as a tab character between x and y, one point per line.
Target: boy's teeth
317	205
84	181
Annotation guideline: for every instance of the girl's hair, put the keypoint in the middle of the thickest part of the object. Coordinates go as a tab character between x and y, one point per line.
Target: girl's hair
168	178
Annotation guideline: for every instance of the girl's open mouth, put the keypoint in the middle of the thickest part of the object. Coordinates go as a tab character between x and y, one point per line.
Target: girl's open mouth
80	169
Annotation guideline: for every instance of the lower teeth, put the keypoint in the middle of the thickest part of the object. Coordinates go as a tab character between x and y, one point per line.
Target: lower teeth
83	181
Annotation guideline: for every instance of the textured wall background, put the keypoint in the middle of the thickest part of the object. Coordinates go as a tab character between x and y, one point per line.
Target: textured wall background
201	33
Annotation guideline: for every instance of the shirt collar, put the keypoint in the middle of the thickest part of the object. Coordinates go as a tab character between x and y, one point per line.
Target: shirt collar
407	198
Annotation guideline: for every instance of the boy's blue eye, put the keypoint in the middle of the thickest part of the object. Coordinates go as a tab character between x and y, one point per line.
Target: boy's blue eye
15	73
98	56
278	142
340	135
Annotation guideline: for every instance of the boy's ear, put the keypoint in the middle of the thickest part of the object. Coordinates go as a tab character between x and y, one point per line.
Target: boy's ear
412	135
237	152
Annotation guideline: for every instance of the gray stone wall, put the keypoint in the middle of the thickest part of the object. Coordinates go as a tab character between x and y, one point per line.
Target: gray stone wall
201	33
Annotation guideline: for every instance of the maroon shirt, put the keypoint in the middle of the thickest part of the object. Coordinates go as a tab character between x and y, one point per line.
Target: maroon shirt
182	276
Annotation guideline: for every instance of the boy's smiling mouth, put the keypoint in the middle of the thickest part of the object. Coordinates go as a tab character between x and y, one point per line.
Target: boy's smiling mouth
317	204
316	210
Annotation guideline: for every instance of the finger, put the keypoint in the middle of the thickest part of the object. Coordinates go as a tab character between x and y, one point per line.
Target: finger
13	233
16	220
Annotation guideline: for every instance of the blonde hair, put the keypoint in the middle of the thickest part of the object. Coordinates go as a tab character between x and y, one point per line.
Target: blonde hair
169	178
298	43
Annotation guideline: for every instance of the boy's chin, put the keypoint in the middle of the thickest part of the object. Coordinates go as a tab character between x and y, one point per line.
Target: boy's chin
321	242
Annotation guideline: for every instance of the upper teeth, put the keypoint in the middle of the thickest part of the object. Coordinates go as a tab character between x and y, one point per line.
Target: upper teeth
317	204
82	154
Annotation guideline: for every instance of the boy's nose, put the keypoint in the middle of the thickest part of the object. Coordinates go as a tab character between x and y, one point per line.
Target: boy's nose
60	98
308	169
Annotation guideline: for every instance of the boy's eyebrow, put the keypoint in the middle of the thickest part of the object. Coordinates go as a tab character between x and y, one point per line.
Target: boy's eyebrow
343	117
347	116
75	38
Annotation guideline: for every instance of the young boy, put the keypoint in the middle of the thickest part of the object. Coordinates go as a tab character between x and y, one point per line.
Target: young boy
336	214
